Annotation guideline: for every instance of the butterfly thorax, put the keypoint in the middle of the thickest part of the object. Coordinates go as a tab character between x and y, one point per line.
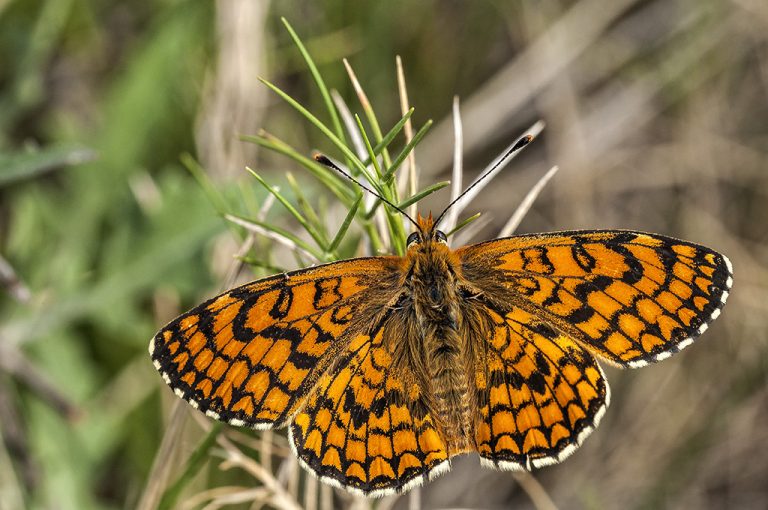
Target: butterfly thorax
434	282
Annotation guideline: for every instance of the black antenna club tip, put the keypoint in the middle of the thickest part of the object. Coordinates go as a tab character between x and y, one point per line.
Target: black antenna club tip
324	160
522	142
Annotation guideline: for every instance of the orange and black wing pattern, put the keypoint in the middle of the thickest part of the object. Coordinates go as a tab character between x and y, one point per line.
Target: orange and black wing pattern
251	355
332	351
629	297
368	427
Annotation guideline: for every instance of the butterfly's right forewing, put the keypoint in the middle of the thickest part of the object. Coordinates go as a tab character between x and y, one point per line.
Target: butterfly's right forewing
251	355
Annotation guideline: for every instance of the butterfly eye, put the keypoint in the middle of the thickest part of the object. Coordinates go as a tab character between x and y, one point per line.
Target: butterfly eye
441	237
414	238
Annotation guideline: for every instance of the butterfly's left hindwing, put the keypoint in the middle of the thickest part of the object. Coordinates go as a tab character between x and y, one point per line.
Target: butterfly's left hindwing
251	355
368	427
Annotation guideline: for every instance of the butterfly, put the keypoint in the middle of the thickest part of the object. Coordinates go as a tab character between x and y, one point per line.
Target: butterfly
384	368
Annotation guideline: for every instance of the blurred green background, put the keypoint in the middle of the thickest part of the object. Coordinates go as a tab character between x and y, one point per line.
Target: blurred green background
656	112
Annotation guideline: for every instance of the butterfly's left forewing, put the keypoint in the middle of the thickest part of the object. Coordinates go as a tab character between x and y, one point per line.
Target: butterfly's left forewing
251	355
629	297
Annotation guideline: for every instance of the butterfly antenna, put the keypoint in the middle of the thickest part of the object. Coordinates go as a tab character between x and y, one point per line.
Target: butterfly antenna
522	142
323	160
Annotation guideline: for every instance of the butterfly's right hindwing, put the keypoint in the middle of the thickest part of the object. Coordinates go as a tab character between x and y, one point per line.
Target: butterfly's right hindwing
539	393
250	356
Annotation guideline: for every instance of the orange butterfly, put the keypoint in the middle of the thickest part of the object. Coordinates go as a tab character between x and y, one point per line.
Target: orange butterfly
384	368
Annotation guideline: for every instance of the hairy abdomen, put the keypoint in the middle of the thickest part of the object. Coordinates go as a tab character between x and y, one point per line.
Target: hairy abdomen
450	387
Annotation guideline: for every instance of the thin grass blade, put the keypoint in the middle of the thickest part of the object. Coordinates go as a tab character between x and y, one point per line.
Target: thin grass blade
329	179
463	224
262	264
345	224
309	212
368	147
458	164
323	89
384	143
198	172
409	181
277	234
469	232
349	123
335	140
511	226
406	151
29	164
193	465
317	236
423	193
370	115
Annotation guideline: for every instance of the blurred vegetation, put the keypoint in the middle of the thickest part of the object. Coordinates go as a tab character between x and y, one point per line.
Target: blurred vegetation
656	111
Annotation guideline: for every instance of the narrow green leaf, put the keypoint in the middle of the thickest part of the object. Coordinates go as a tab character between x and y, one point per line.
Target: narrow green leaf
345	225
262	264
329	179
374	207
463	224
423	193
374	123
370	115
390	172
384	143
373	235
28	164
394	221
198	172
306	207
371	155
318	79
291	209
342	146
288	238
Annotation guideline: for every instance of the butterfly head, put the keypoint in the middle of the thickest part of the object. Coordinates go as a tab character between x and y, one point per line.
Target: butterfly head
426	234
